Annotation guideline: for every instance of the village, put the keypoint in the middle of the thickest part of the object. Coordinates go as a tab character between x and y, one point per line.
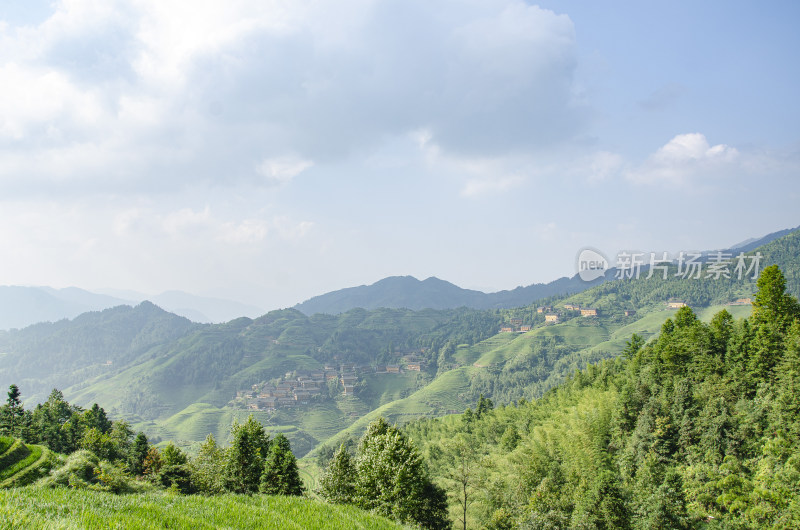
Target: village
302	387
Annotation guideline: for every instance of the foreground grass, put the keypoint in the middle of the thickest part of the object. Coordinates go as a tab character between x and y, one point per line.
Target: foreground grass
36	507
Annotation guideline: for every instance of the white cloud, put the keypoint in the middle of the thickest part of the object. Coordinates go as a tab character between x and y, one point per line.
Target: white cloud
156	95
283	169
600	166
479	187
686	159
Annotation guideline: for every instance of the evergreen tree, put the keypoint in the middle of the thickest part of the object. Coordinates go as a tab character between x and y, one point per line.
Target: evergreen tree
786	414
174	472
772	303
96	418
281	476
49	420
172	455
484	406
98	443
120	437
245	457
13	413
208	467
461	462
138	453
392	479
338	483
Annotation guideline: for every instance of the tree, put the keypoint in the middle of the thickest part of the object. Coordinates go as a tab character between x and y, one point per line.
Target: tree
245	462
172	455
633	346
98	443
151	465
772	303
281	476
13	413
174	472
392	479
208	467
484	406
120	437
96	418
787	405
462	468
510	438
138	453
49	420
338	483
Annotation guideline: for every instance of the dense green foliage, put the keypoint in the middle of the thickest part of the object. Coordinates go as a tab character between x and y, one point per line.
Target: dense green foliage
176	380
387	476
281	476
69	352
699	427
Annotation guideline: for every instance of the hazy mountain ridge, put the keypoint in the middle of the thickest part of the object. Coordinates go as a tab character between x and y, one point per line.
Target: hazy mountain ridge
178	377
434	293
22	306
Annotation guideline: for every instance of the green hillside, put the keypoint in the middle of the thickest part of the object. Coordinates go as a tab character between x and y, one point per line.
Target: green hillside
697	428
35	507
22	464
179	381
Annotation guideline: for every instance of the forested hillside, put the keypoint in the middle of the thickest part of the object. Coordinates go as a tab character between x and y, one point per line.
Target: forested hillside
433	293
178	380
60	354
699	427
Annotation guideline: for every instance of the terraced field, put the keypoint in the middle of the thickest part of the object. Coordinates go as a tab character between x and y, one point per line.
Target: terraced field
22	464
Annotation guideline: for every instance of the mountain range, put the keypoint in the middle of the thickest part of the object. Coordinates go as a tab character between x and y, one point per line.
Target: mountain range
22	306
179	380
434	293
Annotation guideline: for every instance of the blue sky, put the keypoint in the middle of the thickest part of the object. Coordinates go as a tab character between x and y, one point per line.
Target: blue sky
272	151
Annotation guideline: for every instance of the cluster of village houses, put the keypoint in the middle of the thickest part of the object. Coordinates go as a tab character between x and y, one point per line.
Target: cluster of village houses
550	317
301	387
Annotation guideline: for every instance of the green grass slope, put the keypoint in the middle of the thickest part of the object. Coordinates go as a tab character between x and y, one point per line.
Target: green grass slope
35	507
22	464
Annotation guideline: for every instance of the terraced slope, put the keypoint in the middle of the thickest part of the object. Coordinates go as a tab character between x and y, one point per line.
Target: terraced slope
22	464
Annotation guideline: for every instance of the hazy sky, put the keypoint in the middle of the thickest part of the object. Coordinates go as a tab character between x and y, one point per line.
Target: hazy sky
269	151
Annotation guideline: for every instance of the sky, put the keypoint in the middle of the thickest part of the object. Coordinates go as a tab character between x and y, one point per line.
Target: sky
269	151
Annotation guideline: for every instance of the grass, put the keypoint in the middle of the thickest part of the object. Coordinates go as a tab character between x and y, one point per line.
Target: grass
22	464
34	454
470	354
18	451
35	507
5	443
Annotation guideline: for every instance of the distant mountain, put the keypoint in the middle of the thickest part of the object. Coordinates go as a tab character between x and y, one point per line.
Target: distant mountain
433	293
22	306
203	309
177	379
67	352
410	293
754	242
